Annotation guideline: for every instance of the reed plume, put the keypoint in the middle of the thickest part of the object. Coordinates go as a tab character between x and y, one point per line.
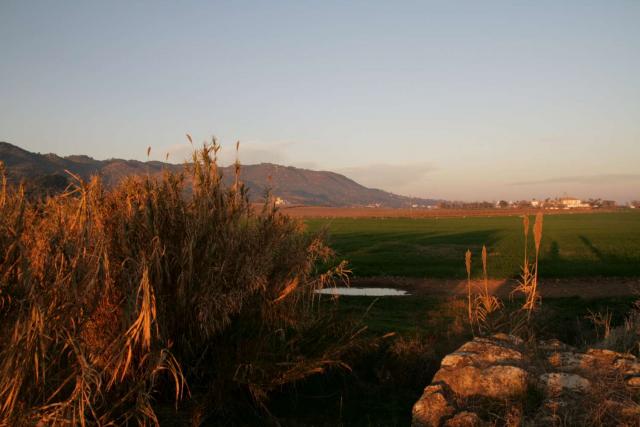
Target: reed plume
525	224
467	262
484	269
486	305
537	231
528	283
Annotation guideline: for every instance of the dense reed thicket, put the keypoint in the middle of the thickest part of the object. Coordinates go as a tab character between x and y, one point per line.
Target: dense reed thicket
117	302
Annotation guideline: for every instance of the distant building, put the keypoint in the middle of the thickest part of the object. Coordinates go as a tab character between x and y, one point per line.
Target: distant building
572	203
536	203
280	201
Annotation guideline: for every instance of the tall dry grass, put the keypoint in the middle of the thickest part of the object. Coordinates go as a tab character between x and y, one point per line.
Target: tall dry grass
528	283
487	306
114	303
467	263
485	310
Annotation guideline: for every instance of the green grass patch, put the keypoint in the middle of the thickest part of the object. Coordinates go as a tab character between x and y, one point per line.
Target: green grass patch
580	245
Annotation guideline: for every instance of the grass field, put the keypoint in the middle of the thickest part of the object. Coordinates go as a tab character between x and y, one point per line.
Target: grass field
579	245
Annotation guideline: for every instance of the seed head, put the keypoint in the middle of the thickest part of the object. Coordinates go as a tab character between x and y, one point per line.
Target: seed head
525	223
467	261
484	259
537	230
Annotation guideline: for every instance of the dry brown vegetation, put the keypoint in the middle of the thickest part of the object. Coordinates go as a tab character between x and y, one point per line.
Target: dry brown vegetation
485	314
116	303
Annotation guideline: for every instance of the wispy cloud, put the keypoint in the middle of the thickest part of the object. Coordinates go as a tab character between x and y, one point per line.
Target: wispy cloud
601	179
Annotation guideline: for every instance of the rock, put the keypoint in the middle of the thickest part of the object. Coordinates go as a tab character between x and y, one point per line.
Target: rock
485	367
554	405
464	419
633	381
620	411
500	370
432	407
557	383
631	411
554	345
482	352
627	366
511	339
602	353
499	382
570	361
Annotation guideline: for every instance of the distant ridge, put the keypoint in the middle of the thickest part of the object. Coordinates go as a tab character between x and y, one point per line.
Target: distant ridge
293	185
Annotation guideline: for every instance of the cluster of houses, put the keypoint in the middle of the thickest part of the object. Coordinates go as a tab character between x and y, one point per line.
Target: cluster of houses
559	203
553	204
549	203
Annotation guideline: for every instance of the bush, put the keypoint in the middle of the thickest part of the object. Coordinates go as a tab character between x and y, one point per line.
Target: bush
116	302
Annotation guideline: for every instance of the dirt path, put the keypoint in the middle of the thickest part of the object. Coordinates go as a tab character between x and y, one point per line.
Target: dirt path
553	288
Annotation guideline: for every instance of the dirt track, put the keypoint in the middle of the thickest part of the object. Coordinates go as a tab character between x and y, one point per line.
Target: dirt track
554	288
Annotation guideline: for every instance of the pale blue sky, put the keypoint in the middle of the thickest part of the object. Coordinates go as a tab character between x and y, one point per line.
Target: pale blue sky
458	100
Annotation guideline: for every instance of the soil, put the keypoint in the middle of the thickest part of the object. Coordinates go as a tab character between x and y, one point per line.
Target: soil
551	288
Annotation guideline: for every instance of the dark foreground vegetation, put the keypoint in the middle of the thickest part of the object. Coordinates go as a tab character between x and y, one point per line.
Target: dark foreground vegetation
173	301
120	306
389	375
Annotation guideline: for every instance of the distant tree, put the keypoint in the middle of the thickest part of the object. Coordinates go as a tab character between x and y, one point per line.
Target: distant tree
595	203
503	204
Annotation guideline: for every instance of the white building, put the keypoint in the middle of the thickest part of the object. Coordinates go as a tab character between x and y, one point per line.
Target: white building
572	203
280	201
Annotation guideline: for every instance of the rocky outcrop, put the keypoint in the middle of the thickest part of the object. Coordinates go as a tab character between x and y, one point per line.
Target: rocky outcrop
550	383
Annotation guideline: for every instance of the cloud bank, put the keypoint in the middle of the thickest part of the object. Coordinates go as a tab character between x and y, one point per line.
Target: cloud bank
390	177
601	179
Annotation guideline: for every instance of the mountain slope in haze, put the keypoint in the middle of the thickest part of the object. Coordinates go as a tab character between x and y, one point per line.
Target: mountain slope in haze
46	172
320	188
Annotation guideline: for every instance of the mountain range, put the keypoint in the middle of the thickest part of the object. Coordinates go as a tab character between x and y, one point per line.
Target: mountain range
296	186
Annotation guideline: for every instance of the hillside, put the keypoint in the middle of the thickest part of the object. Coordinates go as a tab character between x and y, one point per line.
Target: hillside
46	173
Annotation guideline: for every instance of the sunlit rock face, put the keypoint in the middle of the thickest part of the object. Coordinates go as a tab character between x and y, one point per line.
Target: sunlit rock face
544	384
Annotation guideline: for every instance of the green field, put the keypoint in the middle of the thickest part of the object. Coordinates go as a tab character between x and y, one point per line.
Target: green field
578	245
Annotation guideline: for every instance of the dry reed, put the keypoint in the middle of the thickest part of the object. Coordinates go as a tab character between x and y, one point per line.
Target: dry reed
528	284
111	301
467	262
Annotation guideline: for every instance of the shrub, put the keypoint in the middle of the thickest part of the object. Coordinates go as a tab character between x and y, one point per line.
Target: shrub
114	302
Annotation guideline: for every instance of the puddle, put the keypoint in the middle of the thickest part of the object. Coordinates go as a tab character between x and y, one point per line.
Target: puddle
364	292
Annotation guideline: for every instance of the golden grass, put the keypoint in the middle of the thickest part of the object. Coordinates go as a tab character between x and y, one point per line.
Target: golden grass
467	262
485	312
528	284
111	302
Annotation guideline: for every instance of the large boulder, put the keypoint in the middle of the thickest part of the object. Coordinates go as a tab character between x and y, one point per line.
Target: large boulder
501	372
432	407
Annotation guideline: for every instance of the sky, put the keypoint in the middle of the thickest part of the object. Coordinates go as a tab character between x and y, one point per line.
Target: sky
461	100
